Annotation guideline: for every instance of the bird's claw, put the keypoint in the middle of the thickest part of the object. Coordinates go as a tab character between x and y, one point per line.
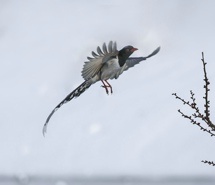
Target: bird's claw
106	89
106	86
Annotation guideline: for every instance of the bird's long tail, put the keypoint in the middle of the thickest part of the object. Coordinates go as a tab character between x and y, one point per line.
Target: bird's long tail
77	92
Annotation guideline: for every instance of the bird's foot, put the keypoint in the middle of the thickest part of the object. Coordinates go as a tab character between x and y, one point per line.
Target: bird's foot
106	86
106	89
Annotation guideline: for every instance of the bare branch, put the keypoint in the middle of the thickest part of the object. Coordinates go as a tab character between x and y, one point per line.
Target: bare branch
203	117
196	123
209	162
207	102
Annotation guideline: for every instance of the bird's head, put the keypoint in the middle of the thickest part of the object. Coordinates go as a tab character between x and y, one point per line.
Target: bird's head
127	51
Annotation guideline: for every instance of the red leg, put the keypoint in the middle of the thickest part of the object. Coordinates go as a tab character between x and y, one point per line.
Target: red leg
109	85
105	86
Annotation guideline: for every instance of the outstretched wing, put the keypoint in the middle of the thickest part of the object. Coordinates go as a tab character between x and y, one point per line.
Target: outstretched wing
92	67
132	61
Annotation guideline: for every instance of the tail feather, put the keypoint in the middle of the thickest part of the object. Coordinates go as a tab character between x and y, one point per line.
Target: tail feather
76	93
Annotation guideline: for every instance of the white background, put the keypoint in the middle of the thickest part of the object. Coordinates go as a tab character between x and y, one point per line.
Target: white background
135	131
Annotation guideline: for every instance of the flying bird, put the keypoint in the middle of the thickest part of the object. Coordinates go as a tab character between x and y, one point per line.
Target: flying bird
107	63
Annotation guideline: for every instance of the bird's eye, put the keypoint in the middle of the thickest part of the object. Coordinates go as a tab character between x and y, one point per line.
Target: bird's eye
127	50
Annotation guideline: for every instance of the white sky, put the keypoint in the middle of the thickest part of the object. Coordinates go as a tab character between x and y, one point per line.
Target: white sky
135	131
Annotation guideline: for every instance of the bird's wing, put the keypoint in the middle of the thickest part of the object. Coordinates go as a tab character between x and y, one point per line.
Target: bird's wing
92	67
132	61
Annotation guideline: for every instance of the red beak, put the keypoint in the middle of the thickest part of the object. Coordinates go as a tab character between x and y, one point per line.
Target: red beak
134	49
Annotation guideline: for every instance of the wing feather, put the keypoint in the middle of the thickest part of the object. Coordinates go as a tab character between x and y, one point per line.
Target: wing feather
104	47
114	47
89	58
92	67
94	54
99	51
110	46
132	61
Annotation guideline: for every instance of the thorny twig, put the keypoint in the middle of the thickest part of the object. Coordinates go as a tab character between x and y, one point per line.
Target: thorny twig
204	117
209	162
207	102
196	123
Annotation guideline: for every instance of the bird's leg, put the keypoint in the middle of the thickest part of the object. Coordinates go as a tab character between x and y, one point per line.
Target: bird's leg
105	86
109	85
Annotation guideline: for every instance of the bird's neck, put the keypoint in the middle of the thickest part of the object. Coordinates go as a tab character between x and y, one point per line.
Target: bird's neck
122	59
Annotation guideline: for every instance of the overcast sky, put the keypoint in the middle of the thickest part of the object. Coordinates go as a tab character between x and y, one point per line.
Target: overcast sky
134	131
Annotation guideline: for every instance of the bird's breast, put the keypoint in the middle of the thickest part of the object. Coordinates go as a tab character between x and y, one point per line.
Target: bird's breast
110	69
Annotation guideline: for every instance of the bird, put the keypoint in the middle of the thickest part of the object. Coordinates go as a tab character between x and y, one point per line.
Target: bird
107	64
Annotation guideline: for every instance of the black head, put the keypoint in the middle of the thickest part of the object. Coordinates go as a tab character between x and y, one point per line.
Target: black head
127	51
124	53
